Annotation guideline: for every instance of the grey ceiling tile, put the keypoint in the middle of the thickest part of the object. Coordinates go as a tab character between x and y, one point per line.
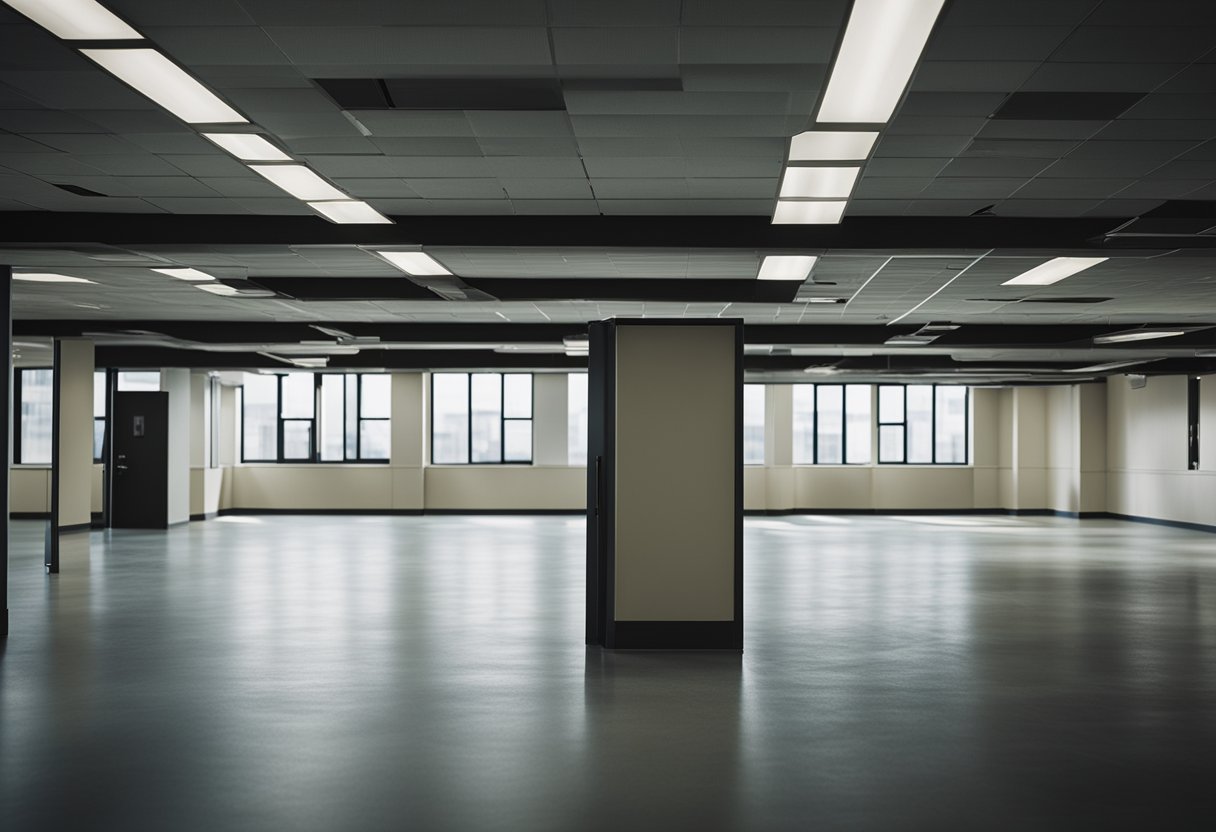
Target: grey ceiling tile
1197	78
414	123
1039	129
68	90
732	188
217	45
1045	188
241	186
555	207
170	143
757	44
934	126
524	146
1206	150
213	164
972	76
629	146
687	207
158	13
911	146
678	126
272	205
149	187
664	102
1137	129
192	205
301	125
252	77
258	101
991	43
733	168
916	168
1124	207
1045	207
18	144
464	207
434	45
518	123
1177	106
765	77
430	167
877	207
967	104
135	165
1059	76
995	167
43	121
132	121
1078	168
549	189
379	187
1019	148
1139	44
332	145
520	167
945	207
448	146
971	188
733	147
764	13
616	45
1186	169
352	166
398	12
457	188
637	189
888	188
38	164
617	13
1161	188
1140	151
625	167
1022	13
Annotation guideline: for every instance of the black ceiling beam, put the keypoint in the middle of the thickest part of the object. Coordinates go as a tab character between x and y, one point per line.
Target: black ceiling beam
752	232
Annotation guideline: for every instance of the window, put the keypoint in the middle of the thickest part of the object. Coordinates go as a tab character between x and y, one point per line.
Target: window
481	418
923	424
33	402
316	417
753	424
132	382
99	415
576	419
832	424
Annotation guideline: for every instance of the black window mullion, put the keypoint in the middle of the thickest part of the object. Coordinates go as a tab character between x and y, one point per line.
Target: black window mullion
17	415
502	418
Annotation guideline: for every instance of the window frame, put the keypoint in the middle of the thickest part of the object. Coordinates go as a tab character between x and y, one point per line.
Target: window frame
314	456
903	423
844	422
18	384
502	418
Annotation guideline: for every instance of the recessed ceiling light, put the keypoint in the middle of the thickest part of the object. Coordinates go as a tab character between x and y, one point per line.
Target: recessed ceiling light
826	300
248	147
350	212
75	19
185	274
1138	335
44	277
414	262
831	146
1053	271
786	267
816	182
166	83
793	212
218	289
882	43
1112	365
299	181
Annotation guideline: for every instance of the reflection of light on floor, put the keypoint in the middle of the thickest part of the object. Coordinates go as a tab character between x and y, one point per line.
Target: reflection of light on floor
232	519
825	519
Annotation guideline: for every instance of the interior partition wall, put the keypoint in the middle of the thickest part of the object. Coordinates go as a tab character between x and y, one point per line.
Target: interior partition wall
665	485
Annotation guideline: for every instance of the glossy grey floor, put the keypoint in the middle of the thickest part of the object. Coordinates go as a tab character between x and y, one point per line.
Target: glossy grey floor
373	673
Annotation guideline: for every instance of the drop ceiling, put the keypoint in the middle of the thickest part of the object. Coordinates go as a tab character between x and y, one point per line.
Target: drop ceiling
1030	130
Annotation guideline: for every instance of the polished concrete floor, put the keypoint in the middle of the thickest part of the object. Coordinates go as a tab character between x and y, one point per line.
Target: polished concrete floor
369	673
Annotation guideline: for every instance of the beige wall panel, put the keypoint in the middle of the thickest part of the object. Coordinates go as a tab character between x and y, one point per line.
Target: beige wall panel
985	488
505	487
755	488
549	419
198	485
830	487
29	489
76	432
408	403
910	487
676	389
780	487
176	382
97	494
312	487
985	427
407	486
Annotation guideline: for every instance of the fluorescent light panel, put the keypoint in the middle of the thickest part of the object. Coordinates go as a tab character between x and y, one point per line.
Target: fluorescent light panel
299	181
1138	335
417	263
1053	271
248	147
218	289
786	267
350	212
46	277
818	183
185	274
793	212
883	41
166	83
831	146
75	19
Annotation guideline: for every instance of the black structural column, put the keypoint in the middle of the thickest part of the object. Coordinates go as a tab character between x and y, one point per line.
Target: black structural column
51	547
665	485
6	408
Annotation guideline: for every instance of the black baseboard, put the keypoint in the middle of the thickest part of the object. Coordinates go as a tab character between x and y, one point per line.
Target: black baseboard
571	512
1154	521
675	635
29	515
76	527
194	518
1008	512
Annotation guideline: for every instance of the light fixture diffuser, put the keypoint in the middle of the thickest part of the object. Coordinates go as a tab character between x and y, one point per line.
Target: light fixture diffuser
166	83
248	147
47	277
350	212
416	263
832	146
883	41
794	212
75	19
1137	335
817	182
1053	271
786	267
218	289
299	181
185	274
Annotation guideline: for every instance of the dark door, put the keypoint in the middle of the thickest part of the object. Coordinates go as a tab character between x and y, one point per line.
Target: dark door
140	428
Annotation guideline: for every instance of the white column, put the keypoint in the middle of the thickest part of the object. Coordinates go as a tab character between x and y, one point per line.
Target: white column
549	406
176	382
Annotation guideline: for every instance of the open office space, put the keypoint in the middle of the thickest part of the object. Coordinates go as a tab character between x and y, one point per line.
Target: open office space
557	415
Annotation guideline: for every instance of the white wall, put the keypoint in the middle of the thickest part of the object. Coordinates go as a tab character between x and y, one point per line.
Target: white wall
75	388
176	383
1147	472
